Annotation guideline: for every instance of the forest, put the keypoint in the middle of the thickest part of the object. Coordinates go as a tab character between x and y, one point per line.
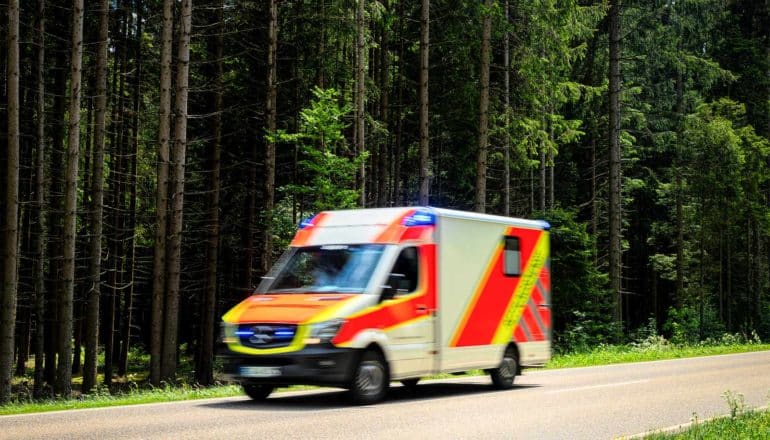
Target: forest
158	155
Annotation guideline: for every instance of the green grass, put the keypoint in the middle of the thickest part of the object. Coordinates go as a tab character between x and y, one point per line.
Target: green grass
742	423
134	397
618	354
749	426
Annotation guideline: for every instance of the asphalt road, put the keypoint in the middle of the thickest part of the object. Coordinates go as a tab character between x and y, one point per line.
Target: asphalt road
590	403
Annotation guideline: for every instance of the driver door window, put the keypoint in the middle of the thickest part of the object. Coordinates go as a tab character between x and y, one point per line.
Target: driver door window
407	264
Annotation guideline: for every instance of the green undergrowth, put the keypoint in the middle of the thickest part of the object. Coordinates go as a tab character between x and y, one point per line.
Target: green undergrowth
742	423
652	349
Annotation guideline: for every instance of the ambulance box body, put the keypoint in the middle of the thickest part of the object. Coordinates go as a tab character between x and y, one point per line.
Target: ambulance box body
369	296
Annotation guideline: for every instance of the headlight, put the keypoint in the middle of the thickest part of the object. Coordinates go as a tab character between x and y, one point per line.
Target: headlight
324	332
227	333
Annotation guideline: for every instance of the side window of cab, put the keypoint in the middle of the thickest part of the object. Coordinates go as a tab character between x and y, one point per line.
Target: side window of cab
405	273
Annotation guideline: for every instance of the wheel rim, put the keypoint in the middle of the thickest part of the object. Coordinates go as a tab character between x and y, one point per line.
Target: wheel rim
508	368
370	378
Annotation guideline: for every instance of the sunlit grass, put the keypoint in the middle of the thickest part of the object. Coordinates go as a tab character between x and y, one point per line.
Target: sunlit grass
102	398
742	423
753	425
618	354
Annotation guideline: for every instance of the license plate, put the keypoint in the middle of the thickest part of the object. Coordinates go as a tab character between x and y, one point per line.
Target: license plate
260	371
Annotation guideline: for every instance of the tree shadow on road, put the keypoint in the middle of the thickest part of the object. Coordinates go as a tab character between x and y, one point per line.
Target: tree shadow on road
329	399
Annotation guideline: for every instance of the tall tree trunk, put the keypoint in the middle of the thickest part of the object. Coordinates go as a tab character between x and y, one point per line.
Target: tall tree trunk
398	197
383	164
64	370
615	213
507	100
424	129
543	186
551	161
204	362
41	232
270	110
159	259
126	318
170	329
480	203
679	189
97	209
10	238
360	90
118	190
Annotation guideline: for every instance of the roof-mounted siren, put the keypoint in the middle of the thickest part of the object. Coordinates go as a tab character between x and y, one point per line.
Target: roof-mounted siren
421	217
544	224
308	222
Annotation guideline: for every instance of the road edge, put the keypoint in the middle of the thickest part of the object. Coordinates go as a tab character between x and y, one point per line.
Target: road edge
681	427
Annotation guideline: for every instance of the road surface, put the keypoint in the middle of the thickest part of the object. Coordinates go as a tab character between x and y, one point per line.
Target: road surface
591	403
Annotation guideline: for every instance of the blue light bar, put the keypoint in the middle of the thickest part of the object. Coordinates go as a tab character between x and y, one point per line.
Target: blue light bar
545	225
307	222
244	333
420	218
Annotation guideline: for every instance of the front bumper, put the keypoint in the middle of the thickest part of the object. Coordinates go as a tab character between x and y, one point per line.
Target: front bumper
318	365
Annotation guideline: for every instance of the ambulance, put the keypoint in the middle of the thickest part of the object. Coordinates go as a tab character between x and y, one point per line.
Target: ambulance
365	297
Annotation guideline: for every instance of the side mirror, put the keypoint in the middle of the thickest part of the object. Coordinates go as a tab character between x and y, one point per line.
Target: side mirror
390	290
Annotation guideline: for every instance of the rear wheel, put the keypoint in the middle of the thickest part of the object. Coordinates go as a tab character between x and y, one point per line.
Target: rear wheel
504	375
258	391
370	380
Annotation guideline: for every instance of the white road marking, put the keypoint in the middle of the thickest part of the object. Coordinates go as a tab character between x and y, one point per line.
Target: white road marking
591	387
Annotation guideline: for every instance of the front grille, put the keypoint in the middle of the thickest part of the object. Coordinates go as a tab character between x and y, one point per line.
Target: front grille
266	335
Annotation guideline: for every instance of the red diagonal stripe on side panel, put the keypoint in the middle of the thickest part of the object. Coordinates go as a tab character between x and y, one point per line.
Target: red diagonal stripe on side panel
494	293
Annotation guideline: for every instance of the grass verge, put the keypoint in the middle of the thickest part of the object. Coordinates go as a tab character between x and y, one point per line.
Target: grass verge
742	423
748	426
134	397
618	354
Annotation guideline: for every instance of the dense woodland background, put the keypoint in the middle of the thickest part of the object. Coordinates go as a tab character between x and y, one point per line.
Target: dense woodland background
157	156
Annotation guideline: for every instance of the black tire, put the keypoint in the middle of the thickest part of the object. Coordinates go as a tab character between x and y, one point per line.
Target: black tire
370	379
505	374
410	383
258	391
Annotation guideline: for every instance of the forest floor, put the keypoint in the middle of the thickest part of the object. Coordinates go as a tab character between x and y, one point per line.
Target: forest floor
130	390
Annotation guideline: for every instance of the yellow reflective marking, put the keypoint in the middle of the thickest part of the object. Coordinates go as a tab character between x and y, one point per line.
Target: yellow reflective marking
523	291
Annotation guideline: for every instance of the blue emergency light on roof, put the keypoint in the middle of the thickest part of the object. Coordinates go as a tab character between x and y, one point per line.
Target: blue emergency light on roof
306	222
420	218
545	225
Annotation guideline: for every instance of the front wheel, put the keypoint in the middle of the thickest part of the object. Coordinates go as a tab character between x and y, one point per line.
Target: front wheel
370	380
258	391
504	375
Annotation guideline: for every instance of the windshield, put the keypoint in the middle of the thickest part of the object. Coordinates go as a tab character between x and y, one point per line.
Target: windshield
337	268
